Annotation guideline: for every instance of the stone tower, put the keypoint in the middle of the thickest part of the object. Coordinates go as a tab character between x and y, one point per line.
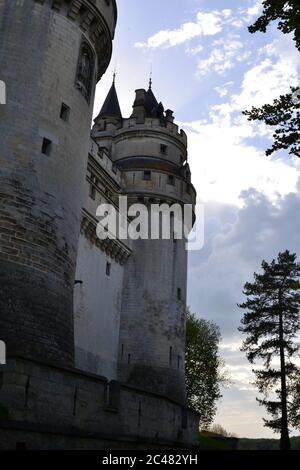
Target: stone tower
52	54
151	153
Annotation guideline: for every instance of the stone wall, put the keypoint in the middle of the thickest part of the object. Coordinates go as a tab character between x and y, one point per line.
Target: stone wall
97	304
53	408
43	162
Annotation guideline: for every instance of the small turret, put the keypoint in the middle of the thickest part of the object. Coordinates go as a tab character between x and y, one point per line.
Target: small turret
111	107
151	153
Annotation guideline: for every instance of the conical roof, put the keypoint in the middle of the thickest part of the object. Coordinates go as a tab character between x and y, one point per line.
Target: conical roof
111	106
151	103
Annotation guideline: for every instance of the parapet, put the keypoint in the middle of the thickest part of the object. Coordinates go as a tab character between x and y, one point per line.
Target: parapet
67	408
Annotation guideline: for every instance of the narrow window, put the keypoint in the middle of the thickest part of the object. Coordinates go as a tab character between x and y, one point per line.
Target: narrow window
171	180
147	175
133	178
170	355
46	146
122	350
108	269
129	358
188	188
64	112
85	71
178	362
164	149
178	294
92	192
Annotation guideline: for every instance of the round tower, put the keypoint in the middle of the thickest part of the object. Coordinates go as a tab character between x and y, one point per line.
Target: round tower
52	54
151	151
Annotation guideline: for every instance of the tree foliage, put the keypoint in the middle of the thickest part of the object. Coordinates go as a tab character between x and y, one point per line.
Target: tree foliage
295	404
203	367
271	323
284	113
285	12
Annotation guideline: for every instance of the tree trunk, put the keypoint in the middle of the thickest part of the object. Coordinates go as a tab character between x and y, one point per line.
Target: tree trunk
284	438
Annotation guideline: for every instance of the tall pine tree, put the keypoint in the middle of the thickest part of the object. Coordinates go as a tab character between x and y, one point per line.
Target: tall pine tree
271	323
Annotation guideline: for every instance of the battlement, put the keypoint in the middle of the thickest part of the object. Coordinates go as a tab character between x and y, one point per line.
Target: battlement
102	157
154	124
110	128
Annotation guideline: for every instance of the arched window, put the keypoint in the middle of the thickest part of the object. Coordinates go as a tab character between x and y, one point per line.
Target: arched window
85	70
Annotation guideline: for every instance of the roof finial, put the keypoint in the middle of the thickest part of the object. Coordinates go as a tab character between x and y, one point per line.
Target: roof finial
115	74
150	81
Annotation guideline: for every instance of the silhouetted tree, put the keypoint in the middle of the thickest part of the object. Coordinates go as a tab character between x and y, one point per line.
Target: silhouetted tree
295	404
271	323
285	12
203	367
284	113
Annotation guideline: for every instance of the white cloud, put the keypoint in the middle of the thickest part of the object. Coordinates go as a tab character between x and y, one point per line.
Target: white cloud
276	72
227	13
207	24
223	90
237	240
223	164
255	10
223	57
195	50
230	162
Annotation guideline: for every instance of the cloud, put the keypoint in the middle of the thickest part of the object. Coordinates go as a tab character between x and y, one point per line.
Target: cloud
223	163
237	240
207	24
195	50
223	90
223	56
255	10
226	144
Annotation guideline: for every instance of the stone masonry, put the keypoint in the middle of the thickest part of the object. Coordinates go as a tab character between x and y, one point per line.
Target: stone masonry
94	329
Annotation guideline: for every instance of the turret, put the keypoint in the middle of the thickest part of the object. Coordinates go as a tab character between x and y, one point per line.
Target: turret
151	152
52	54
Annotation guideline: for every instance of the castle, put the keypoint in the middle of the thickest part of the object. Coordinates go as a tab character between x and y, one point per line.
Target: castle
94	328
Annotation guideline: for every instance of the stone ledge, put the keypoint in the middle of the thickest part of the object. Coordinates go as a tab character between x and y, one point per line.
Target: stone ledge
113	248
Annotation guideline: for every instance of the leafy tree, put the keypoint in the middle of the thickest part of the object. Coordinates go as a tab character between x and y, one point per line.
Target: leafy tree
271	323
218	429
204	374
284	113
285	12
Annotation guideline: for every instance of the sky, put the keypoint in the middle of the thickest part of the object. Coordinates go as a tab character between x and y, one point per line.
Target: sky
208	68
